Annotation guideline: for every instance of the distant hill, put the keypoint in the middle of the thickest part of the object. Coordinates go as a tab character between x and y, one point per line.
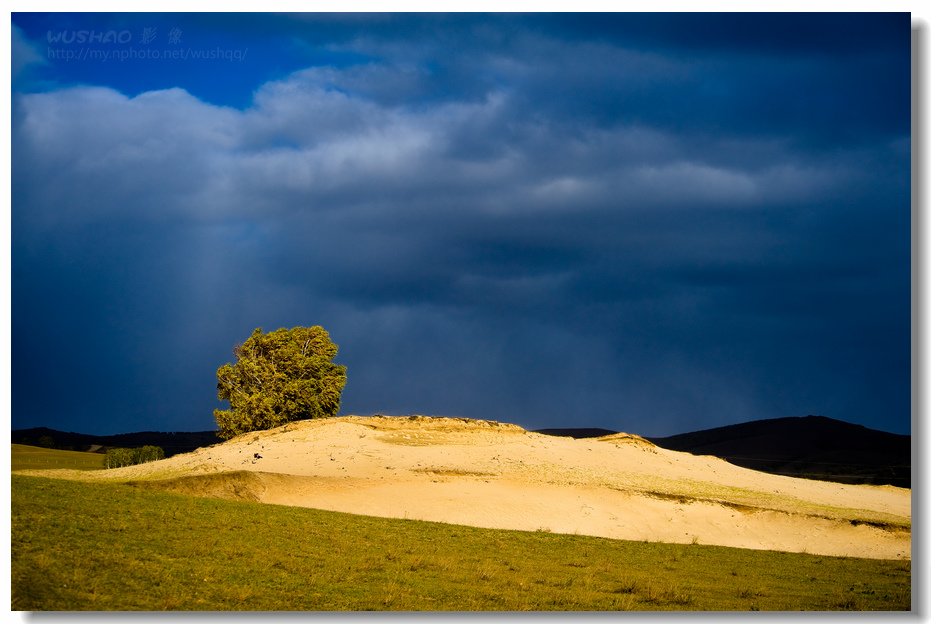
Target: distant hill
814	447
173	443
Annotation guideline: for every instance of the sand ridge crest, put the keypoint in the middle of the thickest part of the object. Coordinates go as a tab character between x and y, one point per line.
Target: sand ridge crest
627	438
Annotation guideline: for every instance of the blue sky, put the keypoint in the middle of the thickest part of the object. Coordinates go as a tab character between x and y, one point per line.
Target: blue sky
653	223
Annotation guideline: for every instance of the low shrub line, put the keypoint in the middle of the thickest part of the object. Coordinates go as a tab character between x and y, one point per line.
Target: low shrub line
119	457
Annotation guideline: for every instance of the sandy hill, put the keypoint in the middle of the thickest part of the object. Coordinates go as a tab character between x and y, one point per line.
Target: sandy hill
498	475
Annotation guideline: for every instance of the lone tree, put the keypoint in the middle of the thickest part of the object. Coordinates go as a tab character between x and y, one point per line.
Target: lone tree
279	377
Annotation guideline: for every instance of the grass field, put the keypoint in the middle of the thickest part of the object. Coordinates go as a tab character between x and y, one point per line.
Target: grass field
89	546
25	457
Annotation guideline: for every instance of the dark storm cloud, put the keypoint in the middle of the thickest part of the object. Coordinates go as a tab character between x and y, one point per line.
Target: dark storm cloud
601	222
813	78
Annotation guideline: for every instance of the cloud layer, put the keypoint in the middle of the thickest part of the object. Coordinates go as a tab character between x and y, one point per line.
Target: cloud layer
510	219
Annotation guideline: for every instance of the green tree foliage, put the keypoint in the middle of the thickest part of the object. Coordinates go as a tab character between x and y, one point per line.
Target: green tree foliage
119	457
148	453
279	377
46	442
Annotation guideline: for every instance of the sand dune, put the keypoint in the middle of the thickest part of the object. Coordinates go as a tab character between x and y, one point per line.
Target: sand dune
497	475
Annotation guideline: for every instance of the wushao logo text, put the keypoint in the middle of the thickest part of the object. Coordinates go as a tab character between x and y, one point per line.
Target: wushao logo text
89	36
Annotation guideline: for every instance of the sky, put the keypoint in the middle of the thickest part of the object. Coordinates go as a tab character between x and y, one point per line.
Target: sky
651	223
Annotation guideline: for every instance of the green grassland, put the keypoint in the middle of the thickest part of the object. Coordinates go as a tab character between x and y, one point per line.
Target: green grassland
24	457
106	546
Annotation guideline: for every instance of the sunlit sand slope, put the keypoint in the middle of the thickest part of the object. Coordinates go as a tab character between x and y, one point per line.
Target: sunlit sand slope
497	475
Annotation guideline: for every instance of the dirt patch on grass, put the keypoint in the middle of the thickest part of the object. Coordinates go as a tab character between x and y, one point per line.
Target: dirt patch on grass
239	485
687	500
